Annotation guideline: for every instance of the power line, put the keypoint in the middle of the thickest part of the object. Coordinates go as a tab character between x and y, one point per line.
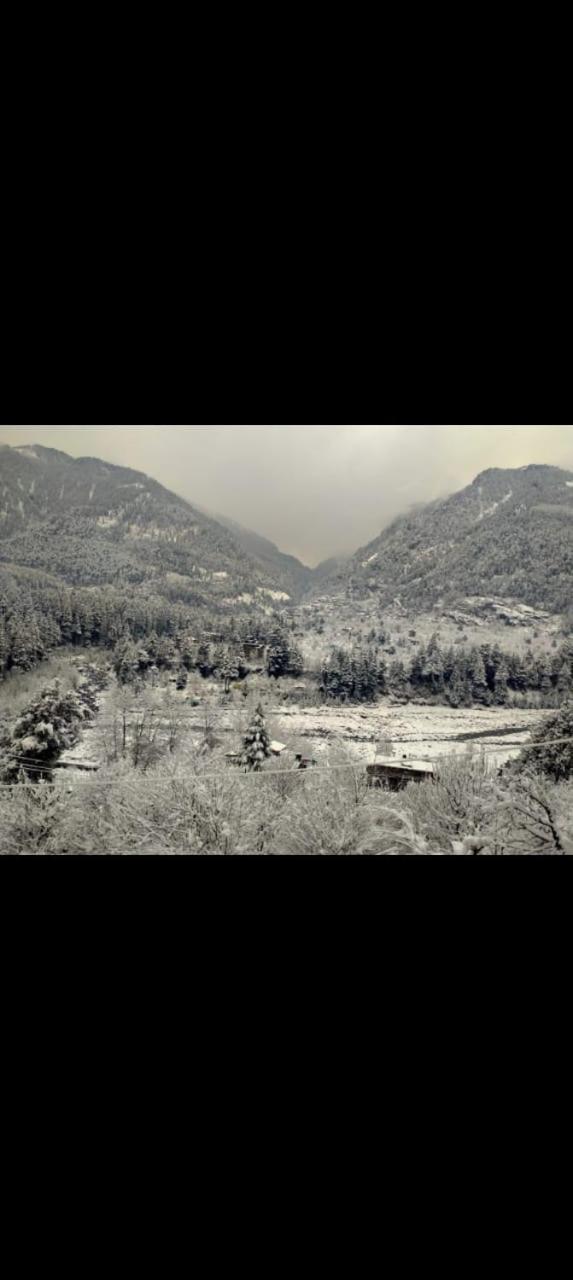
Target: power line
231	771
462	742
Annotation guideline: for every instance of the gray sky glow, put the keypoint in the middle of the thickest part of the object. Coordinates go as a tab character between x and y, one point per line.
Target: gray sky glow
315	490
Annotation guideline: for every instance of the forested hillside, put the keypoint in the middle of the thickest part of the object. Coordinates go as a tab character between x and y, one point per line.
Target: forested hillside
90	551
90	523
508	534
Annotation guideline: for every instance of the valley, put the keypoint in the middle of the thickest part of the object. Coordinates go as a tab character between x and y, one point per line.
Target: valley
146	647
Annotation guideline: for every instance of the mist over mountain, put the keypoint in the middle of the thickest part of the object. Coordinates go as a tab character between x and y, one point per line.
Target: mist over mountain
89	523
293	574
509	533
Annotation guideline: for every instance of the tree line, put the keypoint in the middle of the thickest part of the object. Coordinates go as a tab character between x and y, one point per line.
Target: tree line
484	675
39	614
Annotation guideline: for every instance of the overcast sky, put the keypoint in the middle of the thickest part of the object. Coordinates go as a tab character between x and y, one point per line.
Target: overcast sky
315	491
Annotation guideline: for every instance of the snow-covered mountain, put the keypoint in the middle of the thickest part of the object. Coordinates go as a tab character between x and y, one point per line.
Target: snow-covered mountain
89	522
508	534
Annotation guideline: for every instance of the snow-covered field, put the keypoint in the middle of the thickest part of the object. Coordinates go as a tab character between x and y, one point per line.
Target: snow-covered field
425	732
418	732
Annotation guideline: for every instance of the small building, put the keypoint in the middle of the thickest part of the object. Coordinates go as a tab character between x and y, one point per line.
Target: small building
396	771
233	757
254	651
304	762
277	748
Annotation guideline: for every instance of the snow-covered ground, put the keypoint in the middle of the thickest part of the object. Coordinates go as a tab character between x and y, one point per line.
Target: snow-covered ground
88	749
425	732
416	731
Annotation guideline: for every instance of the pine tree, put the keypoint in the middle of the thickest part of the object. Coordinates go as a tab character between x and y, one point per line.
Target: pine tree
346	678
152	644
544	677
228	670
23	653
449	664
4	648
204	660
500	679
417	668
330	678
478	681
66	621
48	726
365	678
187	653
456	688
166	654
277	661
493	659
256	744
564	682
295	661
433	668
517	674
398	679
126	660
549	755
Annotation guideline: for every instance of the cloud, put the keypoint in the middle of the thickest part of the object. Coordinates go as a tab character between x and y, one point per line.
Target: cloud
313	490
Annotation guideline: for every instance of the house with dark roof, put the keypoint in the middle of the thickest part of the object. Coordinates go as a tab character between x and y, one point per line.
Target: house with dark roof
395	772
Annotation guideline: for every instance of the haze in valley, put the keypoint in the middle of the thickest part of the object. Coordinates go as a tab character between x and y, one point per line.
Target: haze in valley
315	491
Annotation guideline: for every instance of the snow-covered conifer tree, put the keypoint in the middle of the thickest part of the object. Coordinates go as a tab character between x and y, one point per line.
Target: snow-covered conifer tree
256	744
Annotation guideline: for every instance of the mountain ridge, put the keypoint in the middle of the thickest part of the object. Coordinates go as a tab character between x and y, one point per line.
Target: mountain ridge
508	533
86	520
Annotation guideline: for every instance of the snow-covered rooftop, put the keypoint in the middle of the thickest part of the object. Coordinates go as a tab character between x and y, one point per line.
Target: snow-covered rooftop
395	762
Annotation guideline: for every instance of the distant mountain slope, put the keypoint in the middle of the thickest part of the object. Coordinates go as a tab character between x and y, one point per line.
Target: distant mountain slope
293	574
508	534
89	523
328	569
296	577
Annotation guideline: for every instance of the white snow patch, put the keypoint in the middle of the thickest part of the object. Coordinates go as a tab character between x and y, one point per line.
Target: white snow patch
275	595
418	732
569	484
220	574
32	489
27	451
488	511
